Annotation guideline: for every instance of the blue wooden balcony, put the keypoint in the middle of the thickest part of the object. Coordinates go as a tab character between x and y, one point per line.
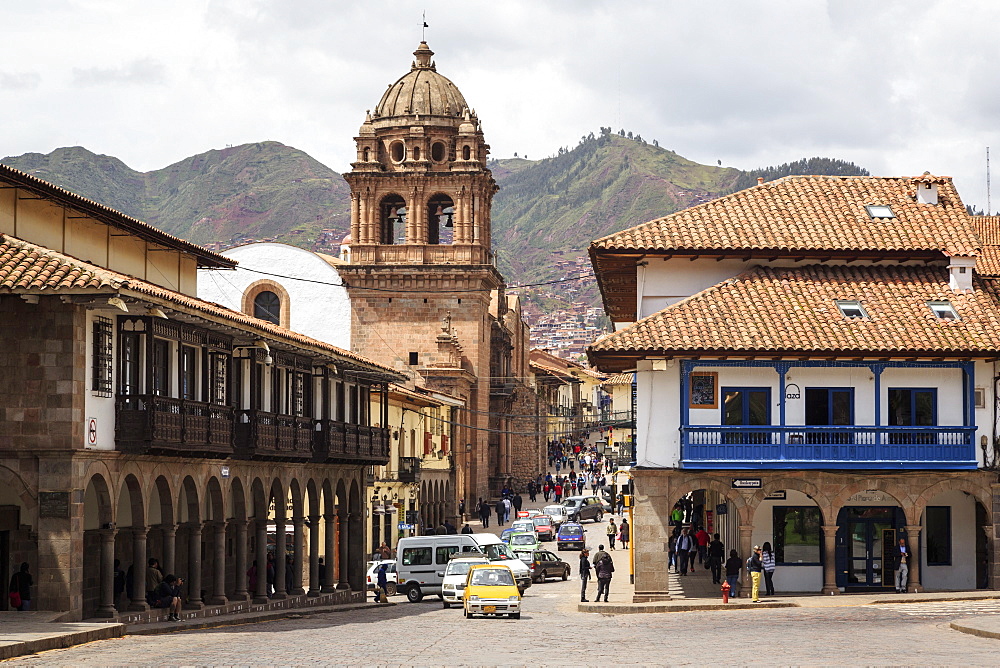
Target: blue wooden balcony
828	447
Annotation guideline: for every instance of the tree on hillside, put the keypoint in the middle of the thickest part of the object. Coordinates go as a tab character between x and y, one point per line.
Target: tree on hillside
825	166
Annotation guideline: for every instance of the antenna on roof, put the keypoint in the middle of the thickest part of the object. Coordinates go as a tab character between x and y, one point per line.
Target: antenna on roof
423	29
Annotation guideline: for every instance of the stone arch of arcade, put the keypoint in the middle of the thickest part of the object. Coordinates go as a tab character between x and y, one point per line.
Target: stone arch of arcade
217	532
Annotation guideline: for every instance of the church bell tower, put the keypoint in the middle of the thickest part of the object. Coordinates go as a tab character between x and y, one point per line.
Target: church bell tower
418	255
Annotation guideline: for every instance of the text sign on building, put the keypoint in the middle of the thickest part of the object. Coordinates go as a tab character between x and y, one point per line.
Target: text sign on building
53	504
747	483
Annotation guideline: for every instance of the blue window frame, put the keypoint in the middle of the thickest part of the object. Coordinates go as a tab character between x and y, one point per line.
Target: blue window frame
912	407
746	406
830	406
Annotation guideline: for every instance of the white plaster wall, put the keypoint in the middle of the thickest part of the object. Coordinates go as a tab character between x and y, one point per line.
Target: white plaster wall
961	574
740	377
947	381
787	578
985	416
658	414
860	378
317	309
101	409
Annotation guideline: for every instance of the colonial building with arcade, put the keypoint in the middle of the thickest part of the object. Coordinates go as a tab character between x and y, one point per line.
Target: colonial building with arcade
138	421
816	367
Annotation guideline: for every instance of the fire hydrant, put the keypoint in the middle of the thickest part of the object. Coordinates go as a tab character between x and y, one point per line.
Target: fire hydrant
725	592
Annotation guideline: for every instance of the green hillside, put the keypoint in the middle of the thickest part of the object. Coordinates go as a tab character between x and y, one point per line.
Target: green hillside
255	191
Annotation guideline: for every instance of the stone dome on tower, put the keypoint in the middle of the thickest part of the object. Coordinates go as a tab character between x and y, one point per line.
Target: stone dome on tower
421	91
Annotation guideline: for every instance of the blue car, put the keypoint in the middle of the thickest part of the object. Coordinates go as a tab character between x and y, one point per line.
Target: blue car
505	534
571	536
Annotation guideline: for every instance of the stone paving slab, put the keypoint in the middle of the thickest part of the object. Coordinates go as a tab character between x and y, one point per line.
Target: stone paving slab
18	638
984	627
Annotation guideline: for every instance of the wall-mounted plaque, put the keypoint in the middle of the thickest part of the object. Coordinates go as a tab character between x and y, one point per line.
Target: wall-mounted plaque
53	504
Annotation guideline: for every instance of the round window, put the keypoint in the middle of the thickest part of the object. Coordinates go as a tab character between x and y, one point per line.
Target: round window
396	151
437	152
267	306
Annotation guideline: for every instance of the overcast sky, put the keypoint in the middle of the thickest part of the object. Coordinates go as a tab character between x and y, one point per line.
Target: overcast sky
897	87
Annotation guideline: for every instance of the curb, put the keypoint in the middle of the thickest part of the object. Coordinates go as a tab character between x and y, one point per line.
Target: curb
160	628
984	597
960	625
646	608
61	641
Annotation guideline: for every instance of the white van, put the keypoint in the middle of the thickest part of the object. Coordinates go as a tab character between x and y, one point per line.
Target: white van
421	561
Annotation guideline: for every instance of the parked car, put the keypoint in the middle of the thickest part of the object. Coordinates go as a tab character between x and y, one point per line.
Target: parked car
557	514
506	533
523	541
571	536
544	564
579	508
532	512
390	575
490	590
542	525
455	575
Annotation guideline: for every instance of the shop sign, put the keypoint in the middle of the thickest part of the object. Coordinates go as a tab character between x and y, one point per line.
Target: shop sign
747	483
871	496
403	526
778	495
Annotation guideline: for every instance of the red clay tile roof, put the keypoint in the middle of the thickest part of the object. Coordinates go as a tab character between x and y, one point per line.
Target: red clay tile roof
770	310
620	379
988	229
811	213
31	269
109	216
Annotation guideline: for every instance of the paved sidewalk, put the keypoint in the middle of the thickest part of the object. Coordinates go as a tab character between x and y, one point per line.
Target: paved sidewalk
30	632
984	627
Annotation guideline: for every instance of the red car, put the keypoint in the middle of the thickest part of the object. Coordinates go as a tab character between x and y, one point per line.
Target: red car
543	527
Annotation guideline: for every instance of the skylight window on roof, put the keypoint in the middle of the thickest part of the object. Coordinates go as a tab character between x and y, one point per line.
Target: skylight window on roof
851	309
943	310
879	211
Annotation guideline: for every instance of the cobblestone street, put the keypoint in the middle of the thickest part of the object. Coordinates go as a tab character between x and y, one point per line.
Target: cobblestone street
552	632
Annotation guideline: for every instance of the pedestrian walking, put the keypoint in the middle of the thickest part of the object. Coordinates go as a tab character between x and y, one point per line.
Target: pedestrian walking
605	568
501	514
677	515
382	584
466	529
620	503
767	560
702	538
716	555
546	491
685	546
612	532
756	566
733	567
19	591
558	490
901	557
584	574
507	508
672	549
623	533
517	502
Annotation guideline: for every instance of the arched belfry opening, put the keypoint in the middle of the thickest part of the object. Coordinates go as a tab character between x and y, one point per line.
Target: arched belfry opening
440	220
393	220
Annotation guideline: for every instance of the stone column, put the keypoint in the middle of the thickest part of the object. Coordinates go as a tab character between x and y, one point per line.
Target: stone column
169	560
138	602
913	540
219	576
314	583
355	219
830	559
107	600
343	553
194	601
330	557
240	592
260	555
746	546
298	537
279	557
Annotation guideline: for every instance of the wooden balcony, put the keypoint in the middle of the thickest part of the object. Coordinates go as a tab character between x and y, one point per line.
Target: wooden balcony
148	424
262	434
340	441
828	447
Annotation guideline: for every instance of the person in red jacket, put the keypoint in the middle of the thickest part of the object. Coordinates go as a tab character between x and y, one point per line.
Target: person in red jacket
703	540
559	491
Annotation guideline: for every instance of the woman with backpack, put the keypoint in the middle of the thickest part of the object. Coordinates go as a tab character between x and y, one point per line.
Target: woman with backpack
767	559
605	567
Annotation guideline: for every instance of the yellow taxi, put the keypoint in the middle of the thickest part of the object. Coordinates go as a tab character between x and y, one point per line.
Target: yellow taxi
490	589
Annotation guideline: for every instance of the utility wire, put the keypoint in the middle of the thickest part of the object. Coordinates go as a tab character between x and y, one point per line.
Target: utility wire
342	284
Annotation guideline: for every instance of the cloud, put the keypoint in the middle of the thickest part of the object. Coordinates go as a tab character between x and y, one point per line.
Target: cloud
143	71
19	80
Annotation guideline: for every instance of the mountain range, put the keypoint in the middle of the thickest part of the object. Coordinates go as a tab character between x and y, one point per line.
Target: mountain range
546	211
